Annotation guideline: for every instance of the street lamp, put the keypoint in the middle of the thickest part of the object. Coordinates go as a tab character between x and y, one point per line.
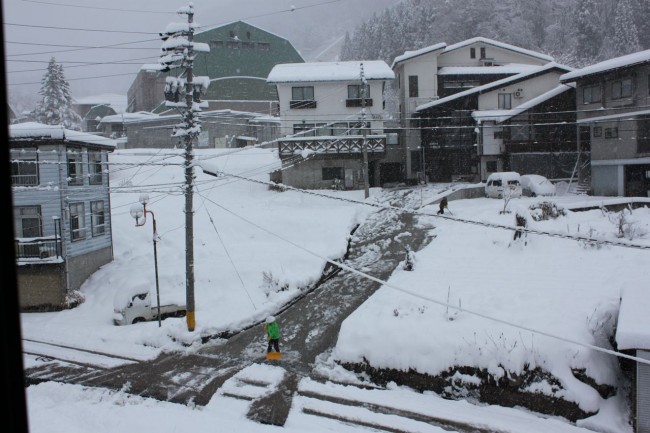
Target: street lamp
138	212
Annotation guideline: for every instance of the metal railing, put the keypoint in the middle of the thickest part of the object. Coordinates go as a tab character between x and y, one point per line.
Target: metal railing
38	248
333	145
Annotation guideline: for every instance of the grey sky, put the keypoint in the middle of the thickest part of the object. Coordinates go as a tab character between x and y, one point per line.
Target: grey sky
132	26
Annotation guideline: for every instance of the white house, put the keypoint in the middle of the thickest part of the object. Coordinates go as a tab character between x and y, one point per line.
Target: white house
440	70
323	109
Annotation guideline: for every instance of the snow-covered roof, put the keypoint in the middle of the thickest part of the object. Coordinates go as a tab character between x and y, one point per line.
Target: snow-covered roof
633	329
503	115
412	54
329	71
629	114
494	84
115	101
117	118
608	65
503	45
56	132
510	68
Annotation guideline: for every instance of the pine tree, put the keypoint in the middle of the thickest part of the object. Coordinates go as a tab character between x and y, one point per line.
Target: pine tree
589	29
55	107
626	37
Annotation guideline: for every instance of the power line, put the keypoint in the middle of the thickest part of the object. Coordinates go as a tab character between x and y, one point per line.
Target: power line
98	7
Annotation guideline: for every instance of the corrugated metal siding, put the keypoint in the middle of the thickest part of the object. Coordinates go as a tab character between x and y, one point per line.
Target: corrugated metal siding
643	394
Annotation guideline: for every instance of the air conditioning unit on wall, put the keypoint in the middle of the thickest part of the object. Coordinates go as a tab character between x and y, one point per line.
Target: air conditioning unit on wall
519	93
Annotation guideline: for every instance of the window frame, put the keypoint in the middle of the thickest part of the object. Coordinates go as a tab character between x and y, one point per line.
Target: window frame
74	166
598	131
414	86
502	99
21	215
594	92
77	221
95	168
98	218
611	132
472	53
622	88
24	167
332	173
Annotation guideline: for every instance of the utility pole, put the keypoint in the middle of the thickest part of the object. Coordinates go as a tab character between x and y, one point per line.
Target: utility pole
178	52
364	150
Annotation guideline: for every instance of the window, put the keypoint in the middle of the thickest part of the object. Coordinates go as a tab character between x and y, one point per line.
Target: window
598	131
216	44
611	132
264	46
490	166
460	84
502	134
413	86
356	93
95	167
472	53
248	35
622	88
643	138
249	45
520	133
331	173
232	34
24	167
483	56
590	94
302	97
75	168
77	221
27	220
505	101
232	45
97	218
302	127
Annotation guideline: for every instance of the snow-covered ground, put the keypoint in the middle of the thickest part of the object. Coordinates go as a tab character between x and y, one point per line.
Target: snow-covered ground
550	303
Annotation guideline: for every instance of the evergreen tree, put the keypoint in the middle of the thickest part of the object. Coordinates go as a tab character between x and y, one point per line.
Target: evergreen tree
55	107
589	29
626	37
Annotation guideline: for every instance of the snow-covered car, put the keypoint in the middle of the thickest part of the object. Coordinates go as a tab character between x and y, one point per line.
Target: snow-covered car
534	185
503	184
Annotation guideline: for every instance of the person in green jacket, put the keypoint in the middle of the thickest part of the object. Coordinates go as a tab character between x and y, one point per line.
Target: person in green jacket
272	334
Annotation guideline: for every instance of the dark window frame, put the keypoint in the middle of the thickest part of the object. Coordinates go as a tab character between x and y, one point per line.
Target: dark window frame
414	87
28	213
472	53
591	94
622	88
611	132
302	97
598	131
77	221
332	173
74	159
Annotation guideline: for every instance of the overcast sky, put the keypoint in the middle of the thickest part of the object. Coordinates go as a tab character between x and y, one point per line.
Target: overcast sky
36	30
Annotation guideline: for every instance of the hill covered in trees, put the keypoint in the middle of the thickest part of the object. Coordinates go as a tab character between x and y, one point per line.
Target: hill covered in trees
575	32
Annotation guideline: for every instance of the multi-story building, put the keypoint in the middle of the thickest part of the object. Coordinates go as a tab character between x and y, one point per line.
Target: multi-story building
332	124
441	70
62	218
240	58
613	116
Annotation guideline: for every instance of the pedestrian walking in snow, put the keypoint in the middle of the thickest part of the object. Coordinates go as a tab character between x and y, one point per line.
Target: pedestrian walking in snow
520	221
443	205
272	334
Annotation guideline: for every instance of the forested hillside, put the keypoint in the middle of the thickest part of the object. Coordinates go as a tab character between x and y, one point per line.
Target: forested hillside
575	32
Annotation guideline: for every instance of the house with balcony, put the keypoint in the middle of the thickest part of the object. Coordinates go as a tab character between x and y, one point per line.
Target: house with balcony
438	71
613	117
61	204
332	124
470	134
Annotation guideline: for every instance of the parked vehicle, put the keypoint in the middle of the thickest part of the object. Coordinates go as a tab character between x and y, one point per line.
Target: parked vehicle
534	185
134	306
505	183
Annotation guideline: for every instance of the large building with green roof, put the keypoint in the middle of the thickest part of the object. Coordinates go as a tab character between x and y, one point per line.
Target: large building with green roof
240	59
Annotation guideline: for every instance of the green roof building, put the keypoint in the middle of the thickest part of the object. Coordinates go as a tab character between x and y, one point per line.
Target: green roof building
240	59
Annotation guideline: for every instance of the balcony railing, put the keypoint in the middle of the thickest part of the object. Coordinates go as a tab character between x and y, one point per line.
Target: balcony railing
38	248
345	144
302	103
358	102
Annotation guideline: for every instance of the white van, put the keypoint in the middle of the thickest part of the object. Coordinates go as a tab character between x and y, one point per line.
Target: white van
505	183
